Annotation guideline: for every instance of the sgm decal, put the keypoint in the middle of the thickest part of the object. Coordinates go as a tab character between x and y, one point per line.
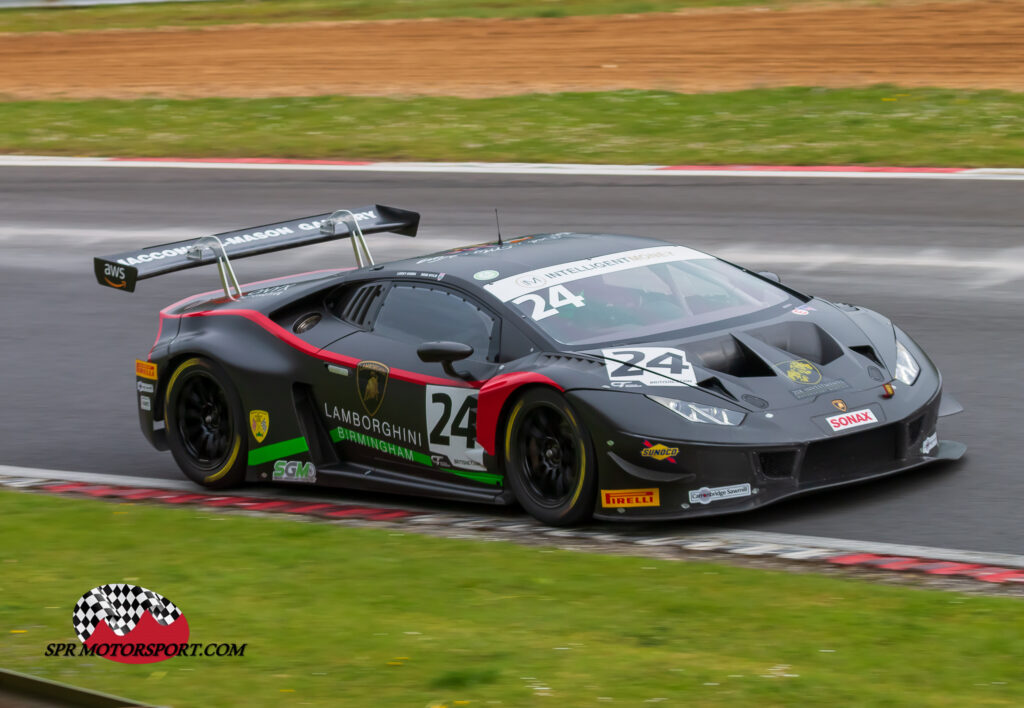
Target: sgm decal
145	369
292	471
620	498
451	422
145	403
706	495
259	423
853	419
659	452
648	366
371	384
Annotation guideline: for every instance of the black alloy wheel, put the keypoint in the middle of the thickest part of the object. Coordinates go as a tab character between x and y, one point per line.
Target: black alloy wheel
548	460
205	431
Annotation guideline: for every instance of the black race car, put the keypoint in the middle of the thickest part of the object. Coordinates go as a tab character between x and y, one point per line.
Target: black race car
575	374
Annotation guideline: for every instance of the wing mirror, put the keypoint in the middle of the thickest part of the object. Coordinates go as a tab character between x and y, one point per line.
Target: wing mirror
445	353
770	275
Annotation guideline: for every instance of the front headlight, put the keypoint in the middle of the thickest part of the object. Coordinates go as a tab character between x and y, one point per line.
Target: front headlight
697	413
907	368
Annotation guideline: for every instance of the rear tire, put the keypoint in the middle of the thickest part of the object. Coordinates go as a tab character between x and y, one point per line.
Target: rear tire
549	460
205	428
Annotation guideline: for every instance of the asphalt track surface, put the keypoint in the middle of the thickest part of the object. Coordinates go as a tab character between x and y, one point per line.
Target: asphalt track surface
944	259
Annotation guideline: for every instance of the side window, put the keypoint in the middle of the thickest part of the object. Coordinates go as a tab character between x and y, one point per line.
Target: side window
417	314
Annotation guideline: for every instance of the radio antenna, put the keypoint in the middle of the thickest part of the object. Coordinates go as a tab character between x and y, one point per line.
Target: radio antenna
497	223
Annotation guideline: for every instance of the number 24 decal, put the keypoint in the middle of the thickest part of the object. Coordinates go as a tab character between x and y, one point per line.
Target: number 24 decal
650	366
463	426
558	296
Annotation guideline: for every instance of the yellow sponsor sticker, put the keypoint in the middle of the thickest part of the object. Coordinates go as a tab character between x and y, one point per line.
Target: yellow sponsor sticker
616	498
259	422
145	369
659	451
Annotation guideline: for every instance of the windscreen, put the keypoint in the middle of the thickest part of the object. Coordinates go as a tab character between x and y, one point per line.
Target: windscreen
635	294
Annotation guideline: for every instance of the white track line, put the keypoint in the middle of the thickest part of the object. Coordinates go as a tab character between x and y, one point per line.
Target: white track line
708	536
517	168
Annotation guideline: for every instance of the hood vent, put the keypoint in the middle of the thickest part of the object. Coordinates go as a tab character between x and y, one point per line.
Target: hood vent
715	386
729	356
868	352
805	340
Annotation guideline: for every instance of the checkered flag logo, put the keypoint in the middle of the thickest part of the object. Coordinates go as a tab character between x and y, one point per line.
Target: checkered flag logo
122	606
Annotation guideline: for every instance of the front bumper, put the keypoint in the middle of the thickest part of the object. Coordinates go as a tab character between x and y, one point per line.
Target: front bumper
707	479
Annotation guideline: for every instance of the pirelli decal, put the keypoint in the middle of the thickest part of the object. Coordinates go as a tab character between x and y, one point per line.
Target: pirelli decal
145	369
617	498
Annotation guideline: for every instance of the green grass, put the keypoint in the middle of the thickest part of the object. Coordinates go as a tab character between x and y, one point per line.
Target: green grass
881	125
274	11
358	617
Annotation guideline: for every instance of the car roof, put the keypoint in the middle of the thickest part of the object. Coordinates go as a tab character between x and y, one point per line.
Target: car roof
519	255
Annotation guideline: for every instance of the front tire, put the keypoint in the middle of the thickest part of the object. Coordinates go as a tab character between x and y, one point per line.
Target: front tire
205	429
549	461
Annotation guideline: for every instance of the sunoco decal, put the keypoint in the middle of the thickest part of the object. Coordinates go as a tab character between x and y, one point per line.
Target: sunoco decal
706	495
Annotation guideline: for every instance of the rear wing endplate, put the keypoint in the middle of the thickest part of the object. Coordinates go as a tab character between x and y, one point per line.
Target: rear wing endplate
123	270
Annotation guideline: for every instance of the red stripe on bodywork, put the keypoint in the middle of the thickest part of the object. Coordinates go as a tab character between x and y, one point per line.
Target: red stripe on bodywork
493	395
309	350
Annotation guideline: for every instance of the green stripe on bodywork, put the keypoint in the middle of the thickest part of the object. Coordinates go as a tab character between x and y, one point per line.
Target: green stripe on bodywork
345	435
277	450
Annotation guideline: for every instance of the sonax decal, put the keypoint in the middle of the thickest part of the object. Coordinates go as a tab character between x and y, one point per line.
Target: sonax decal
853	419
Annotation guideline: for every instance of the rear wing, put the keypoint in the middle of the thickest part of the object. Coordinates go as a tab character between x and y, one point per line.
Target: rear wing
123	270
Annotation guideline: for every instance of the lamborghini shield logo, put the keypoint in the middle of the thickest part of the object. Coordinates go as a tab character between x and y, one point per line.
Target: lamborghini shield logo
840	404
800	371
371	383
259	423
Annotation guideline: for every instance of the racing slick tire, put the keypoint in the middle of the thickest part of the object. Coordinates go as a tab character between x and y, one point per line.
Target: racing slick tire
205	429
549	459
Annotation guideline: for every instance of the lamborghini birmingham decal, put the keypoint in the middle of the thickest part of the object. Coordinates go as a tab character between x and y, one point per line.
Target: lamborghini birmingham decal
355	419
437	461
517	285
